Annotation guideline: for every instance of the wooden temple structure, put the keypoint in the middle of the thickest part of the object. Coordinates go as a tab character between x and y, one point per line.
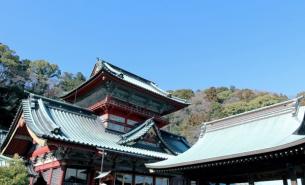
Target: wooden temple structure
260	145
106	129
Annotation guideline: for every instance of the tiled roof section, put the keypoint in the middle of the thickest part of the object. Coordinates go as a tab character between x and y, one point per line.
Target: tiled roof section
129	78
286	106
141	130
177	143
56	120
137	132
260	131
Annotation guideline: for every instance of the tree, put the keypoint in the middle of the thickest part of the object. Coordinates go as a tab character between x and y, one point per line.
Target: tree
182	93
235	108
69	81
265	100
216	111
211	94
41	74
13	77
246	94
15	173
40	77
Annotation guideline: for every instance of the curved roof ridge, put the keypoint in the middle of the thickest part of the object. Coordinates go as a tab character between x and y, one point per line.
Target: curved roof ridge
137	132
120	70
131	78
36	96
54	127
141	130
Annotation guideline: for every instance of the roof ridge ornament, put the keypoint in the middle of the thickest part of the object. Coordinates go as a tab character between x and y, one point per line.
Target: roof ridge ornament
297	105
203	130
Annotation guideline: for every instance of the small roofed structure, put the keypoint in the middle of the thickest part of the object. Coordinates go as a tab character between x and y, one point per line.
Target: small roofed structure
260	145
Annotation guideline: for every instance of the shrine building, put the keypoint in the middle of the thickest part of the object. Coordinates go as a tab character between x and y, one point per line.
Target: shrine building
261	145
105	129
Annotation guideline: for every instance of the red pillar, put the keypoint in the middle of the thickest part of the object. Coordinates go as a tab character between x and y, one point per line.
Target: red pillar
63	172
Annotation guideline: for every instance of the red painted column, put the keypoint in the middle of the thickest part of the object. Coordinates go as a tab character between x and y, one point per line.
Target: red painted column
50	176
63	172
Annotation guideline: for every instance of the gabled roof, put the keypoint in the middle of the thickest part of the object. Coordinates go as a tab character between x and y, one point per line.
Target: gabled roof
130	78
166	138
260	131
137	132
56	120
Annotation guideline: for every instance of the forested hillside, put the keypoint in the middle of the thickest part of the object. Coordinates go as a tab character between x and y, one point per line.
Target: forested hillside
215	103
38	76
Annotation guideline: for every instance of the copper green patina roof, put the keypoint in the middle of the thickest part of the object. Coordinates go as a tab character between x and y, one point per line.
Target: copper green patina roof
180	145
55	120
102	66
268	129
137	132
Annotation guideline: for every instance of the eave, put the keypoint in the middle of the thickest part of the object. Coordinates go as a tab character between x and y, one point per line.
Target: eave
108	102
104	74
280	152
271	129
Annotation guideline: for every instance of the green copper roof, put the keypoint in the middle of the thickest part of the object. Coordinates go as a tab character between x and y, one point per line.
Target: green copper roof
137	132
177	143
264	130
129	78
139	81
165	138
56	120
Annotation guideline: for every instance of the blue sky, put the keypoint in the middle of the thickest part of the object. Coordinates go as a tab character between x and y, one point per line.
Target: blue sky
257	44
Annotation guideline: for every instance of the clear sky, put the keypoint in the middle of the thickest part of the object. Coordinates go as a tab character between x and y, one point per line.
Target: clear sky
257	44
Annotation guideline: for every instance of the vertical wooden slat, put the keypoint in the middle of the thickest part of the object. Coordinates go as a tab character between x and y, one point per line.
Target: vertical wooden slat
285	182
293	176
251	182
303	176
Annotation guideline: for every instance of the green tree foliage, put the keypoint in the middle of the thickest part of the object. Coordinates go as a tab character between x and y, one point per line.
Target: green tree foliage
183	93
39	76
211	94
68	81
216	111
13	77
15	173
222	96
41	73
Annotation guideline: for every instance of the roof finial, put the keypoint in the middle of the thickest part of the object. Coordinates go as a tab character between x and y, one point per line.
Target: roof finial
203	130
